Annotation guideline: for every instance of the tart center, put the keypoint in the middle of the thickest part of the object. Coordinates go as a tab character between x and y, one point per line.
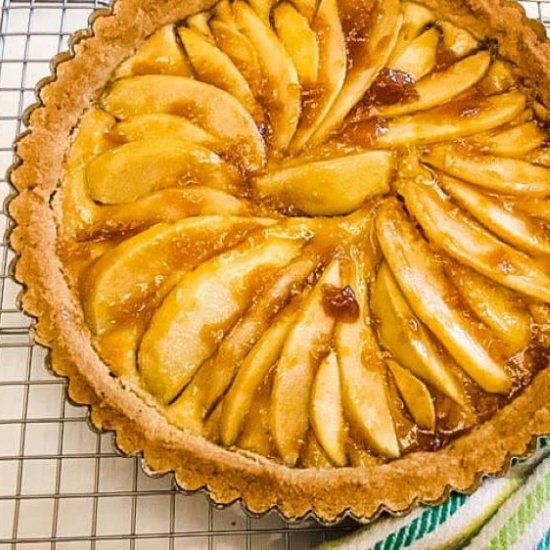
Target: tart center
313	234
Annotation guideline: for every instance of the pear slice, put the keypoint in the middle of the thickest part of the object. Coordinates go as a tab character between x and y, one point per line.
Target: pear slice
263	9
433	298
516	141
499	78
539	208
441	87
406	338
218	112
456	40
214	377
212	65
282	88
187	413
300	41
253	371
137	168
500	309
307	8
255	436
330	187
368	59
239	49
161	125
415	19
332	72
416	396
211	429
159	54
167	205
186	329
362	373
445	123
199	24
327	411
118	349
501	175
235	347
91	140
295	370
514	227
134	270
313	455
467	241
419	57
540	156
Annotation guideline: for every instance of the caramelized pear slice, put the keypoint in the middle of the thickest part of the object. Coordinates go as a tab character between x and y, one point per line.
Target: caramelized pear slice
445	123
419	57
307	8
332	72
199	24
263	9
137	168
512	226
239	49
168	205
281	87
500	309
255	436
186	329
441	87
415	19
300	41
118	349
456	40
406	338
327	411
416	396
91	140
161	125
134	270
502	175
159	54
330	187
313	455
255	368
187	411
516	141
499	78
368	59
212	65
434	299
539	208
467	241
215	375
218	112
235	347
362	372
295	370
224	13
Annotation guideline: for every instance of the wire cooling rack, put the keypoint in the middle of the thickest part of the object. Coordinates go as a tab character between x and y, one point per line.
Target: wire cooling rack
63	486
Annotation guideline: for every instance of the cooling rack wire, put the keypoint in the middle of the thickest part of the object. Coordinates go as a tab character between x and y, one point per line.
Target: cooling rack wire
63	486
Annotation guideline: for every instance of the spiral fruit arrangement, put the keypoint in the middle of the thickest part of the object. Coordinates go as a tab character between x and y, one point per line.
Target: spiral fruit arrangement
314	231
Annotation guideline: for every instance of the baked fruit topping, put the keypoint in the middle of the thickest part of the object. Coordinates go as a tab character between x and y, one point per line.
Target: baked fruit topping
314	232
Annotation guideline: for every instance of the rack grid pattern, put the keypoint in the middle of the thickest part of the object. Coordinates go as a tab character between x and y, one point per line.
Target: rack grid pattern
63	486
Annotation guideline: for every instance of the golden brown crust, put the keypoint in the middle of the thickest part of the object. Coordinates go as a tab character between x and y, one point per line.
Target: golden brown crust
139	428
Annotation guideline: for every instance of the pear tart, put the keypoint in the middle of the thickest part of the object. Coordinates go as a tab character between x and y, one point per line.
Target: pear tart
298	252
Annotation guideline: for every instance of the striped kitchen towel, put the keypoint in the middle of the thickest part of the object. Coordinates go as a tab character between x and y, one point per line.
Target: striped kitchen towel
508	513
